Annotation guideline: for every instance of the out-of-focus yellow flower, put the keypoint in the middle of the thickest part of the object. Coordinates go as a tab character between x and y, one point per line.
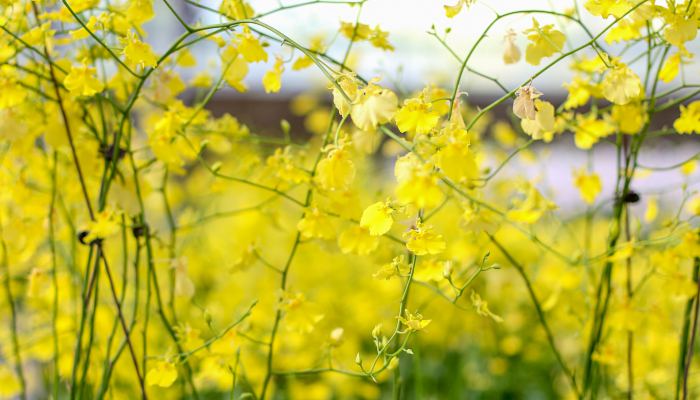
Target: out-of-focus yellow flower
357	240
422	240
272	80
589	185
544	41
396	268
82	80
105	225
250	47
621	85
336	171
138	53
689	121
316	224
482	307
373	105
606	8
163	374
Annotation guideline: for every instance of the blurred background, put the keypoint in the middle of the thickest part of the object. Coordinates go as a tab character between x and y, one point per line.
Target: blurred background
420	59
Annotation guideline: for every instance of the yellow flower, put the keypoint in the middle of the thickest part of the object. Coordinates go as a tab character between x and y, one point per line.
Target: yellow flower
589	129
416	117
680	29
414	322
606	8
544	41
542	126
689	121
589	185
457	161
511	52
652	210
374	105
377	218
580	91
348	84
250	48
163	374
621	85
9	384
104	225
315	224
11	92
272	80
417	183
532	208
137	52
139	11
396	268
282	165
669	71
236	72
482	307
452	11
357	240
83	81
423	240
630	118
336	171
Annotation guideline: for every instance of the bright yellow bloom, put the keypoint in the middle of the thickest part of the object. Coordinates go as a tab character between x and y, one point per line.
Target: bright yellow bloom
163	374
621	85
82	81
542	126
417	183
544	41
457	161
357	240
236	71
250	48
348	84
422	240
396	268
589	129
374	105
11	92
139	11
105	225
377	218
652	210
272	80
416	117
452	11
482	307
138	53
630	118
315	224
532	208
680	29
689	121
414	322
9	384
606	8
589	185
336	171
